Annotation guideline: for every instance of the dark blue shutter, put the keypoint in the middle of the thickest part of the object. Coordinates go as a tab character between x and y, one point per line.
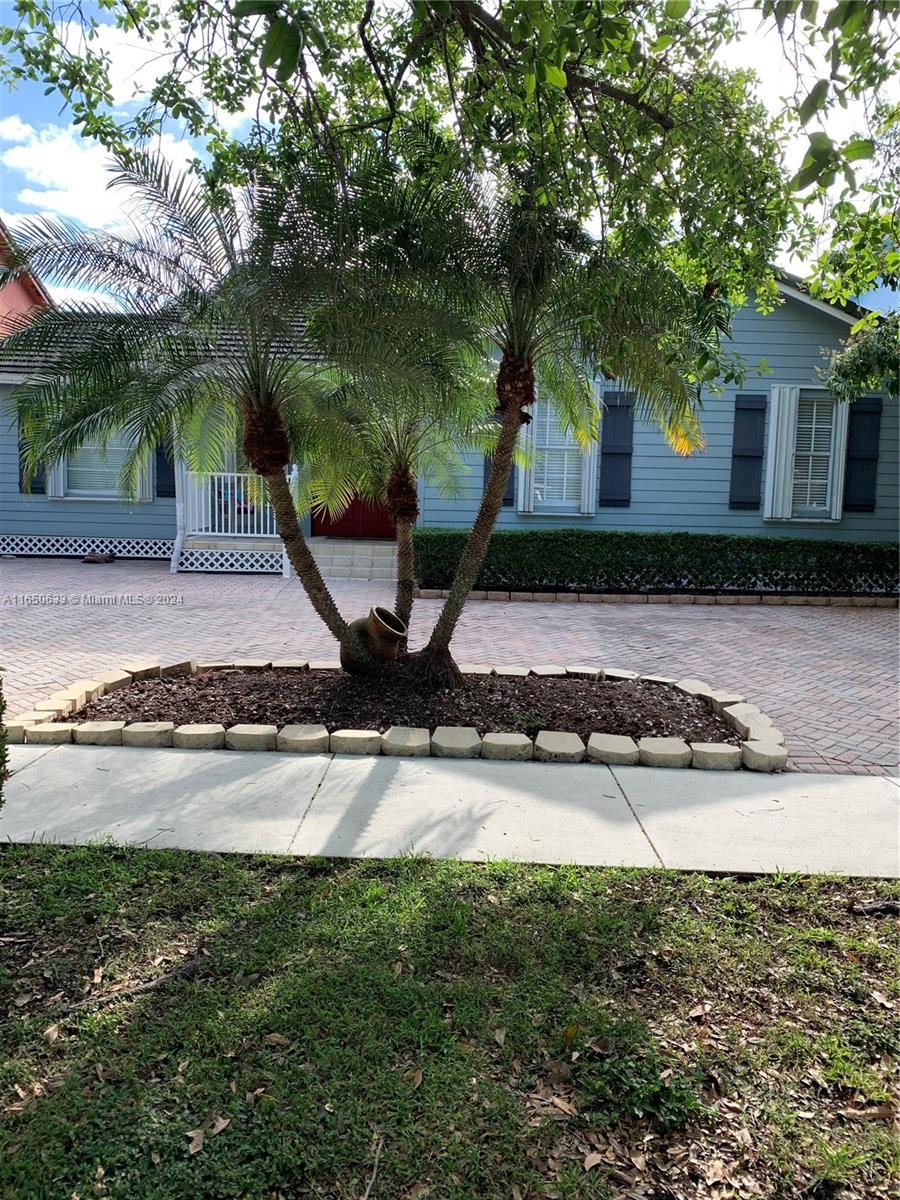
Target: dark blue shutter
38	481
747	452
509	496
165	475
863	433
616	444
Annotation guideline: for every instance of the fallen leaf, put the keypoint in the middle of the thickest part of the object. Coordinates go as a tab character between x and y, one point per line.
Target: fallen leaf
563	1106
219	1123
277	1039
500	1036
593	1160
881	998
50	1034
154	1158
699	1012
196	1136
98	975
397	967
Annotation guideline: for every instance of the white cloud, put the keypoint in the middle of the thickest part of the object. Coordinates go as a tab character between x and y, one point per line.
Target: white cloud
14	129
65	174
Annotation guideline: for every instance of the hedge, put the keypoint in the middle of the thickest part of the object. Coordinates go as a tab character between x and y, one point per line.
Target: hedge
588	560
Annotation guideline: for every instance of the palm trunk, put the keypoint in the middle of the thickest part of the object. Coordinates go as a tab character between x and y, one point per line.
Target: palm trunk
305	566
406	571
515	392
403	505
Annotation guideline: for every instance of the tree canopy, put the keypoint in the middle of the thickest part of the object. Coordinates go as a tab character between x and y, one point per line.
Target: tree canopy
621	108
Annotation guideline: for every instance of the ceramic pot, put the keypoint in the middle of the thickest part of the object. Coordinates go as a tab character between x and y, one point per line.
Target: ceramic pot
381	632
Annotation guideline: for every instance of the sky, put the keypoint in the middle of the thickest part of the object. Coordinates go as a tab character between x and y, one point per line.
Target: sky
47	167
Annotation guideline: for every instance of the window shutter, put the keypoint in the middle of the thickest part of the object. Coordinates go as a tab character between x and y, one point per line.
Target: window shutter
780	455
616	445
144	490
747	452
863	435
38	482
55	480
509	496
165	475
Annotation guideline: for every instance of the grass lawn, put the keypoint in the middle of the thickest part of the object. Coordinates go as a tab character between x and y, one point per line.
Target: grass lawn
412	1029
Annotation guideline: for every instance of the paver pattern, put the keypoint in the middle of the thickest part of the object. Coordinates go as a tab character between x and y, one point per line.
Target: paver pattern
828	677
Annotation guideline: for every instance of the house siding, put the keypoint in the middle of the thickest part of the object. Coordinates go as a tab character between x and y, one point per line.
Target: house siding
36	514
692	494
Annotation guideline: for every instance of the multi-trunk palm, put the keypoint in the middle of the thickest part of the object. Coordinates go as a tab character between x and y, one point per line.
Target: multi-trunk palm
228	316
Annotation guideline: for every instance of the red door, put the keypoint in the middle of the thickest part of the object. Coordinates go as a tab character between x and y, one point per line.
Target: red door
361	519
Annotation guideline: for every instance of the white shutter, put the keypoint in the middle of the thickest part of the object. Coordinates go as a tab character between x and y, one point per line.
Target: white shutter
55	480
525	498
145	480
780	453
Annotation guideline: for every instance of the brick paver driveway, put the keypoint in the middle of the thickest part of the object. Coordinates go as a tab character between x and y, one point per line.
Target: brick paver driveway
827	676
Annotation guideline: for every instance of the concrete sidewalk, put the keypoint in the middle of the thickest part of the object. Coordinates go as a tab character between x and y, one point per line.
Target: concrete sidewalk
381	807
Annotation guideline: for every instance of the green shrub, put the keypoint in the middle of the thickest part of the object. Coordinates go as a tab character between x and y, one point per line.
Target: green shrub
588	560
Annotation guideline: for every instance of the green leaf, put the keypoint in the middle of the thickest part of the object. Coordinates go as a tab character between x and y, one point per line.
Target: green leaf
814	101
820	145
676	9
555	76
255	8
859	148
530	81
272	46
290	53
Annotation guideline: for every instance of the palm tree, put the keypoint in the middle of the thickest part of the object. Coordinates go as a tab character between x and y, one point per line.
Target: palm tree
380	445
218	298
558	309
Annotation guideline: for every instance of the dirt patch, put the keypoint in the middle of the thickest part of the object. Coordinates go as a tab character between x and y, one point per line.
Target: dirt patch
490	703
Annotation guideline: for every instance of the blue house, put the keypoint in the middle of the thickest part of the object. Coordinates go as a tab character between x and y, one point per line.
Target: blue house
782	459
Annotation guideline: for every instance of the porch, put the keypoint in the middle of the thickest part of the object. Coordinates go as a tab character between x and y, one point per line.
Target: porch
227	524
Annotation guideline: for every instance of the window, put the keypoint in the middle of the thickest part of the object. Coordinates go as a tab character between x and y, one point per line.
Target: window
560	478
813	456
95	471
806	458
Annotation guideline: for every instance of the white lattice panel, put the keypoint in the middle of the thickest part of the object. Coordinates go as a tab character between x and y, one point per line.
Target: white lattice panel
61	546
259	562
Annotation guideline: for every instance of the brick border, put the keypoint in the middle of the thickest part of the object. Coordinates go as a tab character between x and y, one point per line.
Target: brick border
761	749
669	598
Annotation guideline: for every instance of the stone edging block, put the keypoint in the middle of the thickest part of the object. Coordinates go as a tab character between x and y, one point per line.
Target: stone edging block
199	737
251	737
512	747
552	745
762	746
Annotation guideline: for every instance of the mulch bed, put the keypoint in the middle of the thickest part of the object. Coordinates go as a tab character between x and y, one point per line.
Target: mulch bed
490	703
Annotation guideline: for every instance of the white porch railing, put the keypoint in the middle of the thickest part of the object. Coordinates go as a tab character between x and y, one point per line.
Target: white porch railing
227	503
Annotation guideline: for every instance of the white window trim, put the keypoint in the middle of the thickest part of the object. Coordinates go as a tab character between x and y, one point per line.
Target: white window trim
56	485
525	497
780	458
